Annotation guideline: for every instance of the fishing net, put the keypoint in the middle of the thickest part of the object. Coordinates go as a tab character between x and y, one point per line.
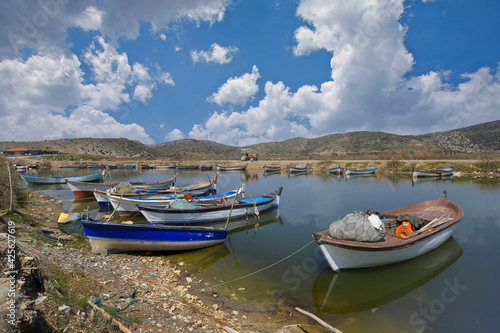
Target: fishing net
125	188
357	227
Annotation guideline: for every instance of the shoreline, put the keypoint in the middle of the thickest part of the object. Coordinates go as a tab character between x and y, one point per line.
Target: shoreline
69	275
59	275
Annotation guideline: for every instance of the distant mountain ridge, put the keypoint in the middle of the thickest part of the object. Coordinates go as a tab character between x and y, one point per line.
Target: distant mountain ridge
483	138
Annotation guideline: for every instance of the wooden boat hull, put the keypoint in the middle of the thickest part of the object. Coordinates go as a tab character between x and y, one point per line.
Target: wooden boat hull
344	254
366	171
133	237
156	215
338	292
86	189
272	168
153	184
232	168
336	171
187	167
297	170
341	258
128	206
433	173
205	168
60	179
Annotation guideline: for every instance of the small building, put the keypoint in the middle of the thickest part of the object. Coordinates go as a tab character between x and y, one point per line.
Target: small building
28	152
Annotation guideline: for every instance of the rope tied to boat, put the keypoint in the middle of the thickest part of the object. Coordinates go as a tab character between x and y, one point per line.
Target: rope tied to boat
133	299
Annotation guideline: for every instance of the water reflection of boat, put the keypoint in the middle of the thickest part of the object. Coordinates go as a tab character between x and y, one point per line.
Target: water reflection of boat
429	179
366	289
201	259
81	204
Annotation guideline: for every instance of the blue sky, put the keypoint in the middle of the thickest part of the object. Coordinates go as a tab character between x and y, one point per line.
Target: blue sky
242	72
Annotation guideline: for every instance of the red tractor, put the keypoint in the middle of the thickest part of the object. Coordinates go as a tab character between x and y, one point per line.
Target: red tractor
247	155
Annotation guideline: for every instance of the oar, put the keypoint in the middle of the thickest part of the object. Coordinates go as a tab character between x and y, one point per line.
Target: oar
232	206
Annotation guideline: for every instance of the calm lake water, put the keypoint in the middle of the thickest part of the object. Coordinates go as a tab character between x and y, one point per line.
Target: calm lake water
451	289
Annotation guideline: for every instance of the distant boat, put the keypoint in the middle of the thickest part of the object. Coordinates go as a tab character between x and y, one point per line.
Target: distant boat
86	189
72	166
336	171
272	168
160	167
205	167
137	237
153	184
364	171
184	212
127	166
300	168
433	172
21	168
440	217
187	167
96	166
147	166
60	179
232	168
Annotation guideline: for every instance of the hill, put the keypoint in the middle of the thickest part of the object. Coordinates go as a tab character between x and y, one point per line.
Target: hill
479	139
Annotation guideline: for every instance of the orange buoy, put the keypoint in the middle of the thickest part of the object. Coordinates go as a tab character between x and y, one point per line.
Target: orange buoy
404	229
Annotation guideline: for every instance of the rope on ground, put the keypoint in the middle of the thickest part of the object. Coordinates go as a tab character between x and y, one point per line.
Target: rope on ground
219	284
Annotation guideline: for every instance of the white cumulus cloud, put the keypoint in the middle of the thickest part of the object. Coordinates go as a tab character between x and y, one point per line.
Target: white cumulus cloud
237	90
175	134
371	88
216	53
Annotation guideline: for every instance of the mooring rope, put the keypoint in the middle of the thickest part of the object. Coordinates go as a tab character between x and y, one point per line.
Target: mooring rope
132	299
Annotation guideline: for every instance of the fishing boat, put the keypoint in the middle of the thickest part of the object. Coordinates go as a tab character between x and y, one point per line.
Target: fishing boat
96	166
186	167
200	188
157	184
205	167
336	293
363	171
440	217
86	189
61	179
21	168
162	167
336	171
443	172
128	206
272	168
232	168
109	237
72	166
300	168
127	166
180	212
